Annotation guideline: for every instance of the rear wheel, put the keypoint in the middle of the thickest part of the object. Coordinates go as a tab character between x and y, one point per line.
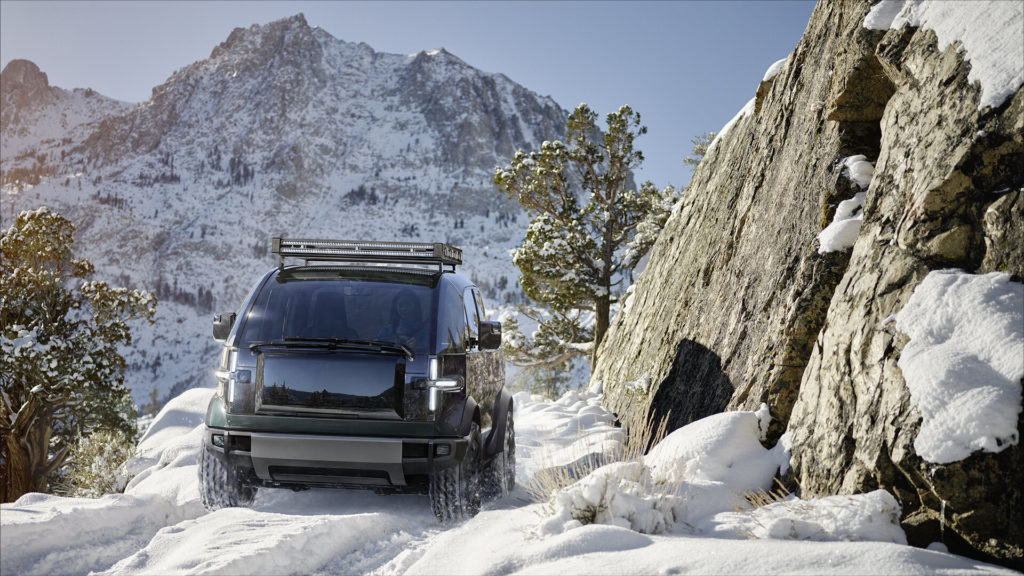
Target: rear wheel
499	476
219	484
455	491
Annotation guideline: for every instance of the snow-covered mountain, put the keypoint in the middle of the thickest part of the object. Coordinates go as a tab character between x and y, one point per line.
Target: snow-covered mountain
283	130
34	115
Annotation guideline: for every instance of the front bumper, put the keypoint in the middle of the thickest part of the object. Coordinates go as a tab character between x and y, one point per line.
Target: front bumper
278	459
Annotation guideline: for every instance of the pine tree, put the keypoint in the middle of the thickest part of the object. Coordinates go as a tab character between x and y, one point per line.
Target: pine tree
700	148
62	376
590	227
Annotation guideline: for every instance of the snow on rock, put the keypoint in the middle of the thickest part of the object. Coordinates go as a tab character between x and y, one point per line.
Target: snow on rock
859	170
842	233
774	69
990	32
722	448
964	362
698	470
874	516
747	110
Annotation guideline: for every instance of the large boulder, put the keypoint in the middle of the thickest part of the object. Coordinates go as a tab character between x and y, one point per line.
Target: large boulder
742	304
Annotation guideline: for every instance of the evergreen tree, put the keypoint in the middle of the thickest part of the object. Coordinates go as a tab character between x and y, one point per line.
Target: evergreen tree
700	148
590	227
62	377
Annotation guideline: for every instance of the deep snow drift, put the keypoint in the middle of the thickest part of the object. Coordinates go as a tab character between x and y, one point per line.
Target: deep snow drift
679	509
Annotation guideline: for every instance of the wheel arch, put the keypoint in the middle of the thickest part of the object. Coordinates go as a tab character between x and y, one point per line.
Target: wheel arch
493	444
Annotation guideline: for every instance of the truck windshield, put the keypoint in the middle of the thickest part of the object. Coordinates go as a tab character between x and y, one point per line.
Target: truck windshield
342	309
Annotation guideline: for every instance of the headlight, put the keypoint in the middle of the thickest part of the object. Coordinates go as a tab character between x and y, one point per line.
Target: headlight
234	383
438	384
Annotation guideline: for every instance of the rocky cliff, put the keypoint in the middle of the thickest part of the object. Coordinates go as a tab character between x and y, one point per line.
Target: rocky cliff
743	303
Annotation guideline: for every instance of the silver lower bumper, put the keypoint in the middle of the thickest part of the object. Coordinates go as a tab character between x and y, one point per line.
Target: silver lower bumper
304	451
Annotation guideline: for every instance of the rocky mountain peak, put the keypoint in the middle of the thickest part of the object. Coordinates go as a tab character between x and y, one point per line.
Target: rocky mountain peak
31	110
24	86
22	75
290	36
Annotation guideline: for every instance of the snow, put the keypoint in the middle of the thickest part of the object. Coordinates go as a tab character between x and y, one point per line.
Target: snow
990	33
700	524
842	232
859	170
774	69
860	517
964	362
747	110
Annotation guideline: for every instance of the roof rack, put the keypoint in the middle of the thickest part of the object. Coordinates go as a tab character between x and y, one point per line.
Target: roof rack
437	254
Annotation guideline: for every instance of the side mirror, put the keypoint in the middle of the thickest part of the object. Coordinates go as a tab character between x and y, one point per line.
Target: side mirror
490	335
222	324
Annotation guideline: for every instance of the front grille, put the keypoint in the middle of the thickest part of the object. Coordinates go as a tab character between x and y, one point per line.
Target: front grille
308	475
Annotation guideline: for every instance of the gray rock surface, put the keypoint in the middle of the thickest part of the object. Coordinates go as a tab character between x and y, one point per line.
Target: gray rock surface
737	307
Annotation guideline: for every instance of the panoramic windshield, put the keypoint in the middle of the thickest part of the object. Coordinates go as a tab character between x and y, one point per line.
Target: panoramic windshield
336	309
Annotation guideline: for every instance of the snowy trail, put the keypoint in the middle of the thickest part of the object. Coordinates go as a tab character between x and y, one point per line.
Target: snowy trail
264	541
45	534
158	525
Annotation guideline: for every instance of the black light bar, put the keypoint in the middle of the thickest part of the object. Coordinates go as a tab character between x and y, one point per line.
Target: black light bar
367	251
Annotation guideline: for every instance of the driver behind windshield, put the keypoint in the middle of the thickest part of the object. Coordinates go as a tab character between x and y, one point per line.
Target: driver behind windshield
406	325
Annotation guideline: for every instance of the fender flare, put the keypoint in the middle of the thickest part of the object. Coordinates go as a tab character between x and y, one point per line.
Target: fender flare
470	414
494	444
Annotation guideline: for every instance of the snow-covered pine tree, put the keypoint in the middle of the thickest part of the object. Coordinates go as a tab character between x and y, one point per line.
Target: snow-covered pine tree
590	227
62	376
700	148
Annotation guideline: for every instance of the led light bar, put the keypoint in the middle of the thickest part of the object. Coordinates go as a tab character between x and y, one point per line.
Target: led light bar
367	251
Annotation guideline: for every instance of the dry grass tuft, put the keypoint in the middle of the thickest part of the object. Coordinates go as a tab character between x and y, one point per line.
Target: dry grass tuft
761	497
640	434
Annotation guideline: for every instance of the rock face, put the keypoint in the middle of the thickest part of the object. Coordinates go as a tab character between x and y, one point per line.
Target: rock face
737	307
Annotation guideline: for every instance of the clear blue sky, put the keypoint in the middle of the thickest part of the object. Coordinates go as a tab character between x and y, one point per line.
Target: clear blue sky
686	66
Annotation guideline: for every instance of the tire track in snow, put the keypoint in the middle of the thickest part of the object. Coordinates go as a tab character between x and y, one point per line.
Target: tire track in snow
45	534
322	531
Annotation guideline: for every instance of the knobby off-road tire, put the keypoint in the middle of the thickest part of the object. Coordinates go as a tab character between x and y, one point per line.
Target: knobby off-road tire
499	476
455	491
219	486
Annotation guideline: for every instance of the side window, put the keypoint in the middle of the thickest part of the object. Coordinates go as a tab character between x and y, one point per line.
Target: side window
480	304
472	317
451	321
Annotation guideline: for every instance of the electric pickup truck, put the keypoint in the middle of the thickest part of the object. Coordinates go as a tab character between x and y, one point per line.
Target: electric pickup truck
366	365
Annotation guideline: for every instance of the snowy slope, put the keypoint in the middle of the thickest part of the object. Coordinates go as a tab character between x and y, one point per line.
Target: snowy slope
158	526
283	130
35	115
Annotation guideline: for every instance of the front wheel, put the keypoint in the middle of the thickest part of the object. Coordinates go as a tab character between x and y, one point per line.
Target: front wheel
455	491
219	484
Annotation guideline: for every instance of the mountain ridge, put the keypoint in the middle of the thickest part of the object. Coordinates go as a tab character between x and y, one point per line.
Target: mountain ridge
284	130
